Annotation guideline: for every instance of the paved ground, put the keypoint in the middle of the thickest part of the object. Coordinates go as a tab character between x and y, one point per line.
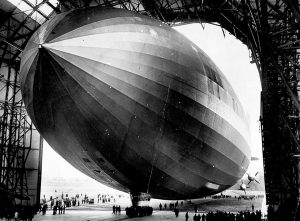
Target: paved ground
92	215
96	212
83	215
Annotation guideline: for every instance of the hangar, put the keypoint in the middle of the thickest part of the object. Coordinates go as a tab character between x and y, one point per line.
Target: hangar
270	29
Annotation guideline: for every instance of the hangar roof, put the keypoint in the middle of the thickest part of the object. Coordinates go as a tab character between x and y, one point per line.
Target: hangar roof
19	19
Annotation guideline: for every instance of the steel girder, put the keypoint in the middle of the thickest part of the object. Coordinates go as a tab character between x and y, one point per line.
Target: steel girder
15	142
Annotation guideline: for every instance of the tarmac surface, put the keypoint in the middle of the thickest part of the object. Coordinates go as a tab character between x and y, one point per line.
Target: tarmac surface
100	211
92	215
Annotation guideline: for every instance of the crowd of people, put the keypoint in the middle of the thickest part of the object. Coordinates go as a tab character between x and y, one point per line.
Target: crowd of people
171	206
139	211
60	207
221	196
17	213
116	209
227	216
59	203
106	198
219	215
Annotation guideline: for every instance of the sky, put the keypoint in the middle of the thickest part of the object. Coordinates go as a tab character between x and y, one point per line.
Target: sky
233	59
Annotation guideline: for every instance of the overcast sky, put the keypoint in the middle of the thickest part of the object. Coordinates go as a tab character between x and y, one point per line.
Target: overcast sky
232	57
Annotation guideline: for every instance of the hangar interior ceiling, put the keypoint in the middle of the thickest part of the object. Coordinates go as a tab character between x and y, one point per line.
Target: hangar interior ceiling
270	29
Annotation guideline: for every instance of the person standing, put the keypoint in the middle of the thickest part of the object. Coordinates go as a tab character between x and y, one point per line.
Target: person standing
54	209
44	208
187	216
16	216
195	217
176	212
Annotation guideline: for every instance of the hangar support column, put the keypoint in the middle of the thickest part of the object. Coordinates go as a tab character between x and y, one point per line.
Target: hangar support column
20	150
280	109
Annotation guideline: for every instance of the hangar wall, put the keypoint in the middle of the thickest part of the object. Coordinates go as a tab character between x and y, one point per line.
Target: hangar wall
20	146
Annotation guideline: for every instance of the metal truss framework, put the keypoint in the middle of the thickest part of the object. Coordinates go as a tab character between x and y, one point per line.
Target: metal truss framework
15	145
16	129
270	29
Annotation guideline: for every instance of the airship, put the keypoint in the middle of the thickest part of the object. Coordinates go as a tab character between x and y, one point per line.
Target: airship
135	105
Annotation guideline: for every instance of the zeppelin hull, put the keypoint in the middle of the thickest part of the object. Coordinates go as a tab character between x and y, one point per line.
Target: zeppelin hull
133	104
